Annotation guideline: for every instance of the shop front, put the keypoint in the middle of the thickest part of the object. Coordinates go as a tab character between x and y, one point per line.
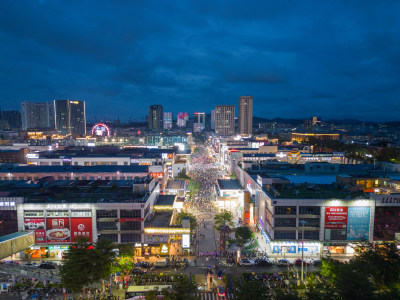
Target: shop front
310	248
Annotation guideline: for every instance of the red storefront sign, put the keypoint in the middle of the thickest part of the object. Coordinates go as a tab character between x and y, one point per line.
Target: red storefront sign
336	217
38	226
81	227
57	230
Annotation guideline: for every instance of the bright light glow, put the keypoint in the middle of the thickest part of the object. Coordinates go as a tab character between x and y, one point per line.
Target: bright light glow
167	230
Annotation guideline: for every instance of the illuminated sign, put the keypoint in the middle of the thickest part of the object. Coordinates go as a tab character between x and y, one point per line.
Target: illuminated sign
185	240
32	155
100	129
166	230
164	249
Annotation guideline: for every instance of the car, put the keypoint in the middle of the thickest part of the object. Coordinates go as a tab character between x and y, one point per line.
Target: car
263	262
221	292
31	265
316	263
284	263
297	262
221	274
246	262
46	266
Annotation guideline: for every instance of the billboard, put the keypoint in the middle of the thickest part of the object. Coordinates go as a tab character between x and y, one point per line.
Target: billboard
57	230
164	249
81	227
37	225
246	208
335	217
185	240
358	223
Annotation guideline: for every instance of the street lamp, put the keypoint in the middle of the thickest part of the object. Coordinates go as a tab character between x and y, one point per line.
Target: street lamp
302	248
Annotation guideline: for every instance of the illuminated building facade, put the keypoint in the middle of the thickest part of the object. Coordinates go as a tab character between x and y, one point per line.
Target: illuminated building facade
37	115
156	115
167	120
70	117
199	121
225	120
246	115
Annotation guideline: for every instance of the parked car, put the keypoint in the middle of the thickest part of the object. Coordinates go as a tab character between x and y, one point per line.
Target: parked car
284	263
263	262
31	265
246	262
46	266
316	263
221	274
297	262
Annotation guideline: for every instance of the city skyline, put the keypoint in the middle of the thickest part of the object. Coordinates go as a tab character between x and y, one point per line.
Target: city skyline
297	60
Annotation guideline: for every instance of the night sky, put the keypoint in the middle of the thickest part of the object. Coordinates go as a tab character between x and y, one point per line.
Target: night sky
334	59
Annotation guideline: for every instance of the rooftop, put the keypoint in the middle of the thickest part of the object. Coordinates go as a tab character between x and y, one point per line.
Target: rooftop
166	200
160	219
229	184
77	169
176	185
76	191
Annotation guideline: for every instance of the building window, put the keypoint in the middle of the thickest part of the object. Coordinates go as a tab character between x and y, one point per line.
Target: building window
131	238
106	213
285	210
285	235
309	235
134	213
285	222
309	210
56	163
132	225
122	178
57	213
309	222
81	213
107	226
33	213
109	237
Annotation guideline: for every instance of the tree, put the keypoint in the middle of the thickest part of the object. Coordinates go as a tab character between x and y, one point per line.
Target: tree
86	263
182	175
224	218
194	186
243	234
192	219
319	289
251	290
381	262
182	288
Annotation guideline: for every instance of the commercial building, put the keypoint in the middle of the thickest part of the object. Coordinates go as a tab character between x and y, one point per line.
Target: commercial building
13	156
246	115
70	117
213	119
328	136
199	121
225	120
12	118
167	121
181	119
37	115
156	116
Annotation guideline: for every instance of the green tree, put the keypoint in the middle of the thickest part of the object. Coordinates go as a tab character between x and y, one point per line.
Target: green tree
104	259
251	290
381	262
194	186
224	218
182	288
186	214
182	175
243	234
319	289
281	294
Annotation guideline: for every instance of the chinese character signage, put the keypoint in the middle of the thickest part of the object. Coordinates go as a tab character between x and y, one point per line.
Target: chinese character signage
336	217
81	227
57	230
358	223
37	225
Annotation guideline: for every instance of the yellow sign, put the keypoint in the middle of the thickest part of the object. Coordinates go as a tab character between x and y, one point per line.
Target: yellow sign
164	249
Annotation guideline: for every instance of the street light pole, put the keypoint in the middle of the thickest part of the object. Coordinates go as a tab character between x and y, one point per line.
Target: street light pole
302	251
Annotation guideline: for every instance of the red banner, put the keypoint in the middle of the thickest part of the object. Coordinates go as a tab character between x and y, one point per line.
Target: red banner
58	230
36	225
81	227
336	217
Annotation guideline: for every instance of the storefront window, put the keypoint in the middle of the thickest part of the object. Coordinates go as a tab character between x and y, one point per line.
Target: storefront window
106	213
33	213
57	213
309	210
309	235
285	222
134	213
133	225
285	210
81	213
109	237
131	238
280	235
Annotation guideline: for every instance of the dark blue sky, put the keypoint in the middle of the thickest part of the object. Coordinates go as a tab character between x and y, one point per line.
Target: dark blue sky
335	59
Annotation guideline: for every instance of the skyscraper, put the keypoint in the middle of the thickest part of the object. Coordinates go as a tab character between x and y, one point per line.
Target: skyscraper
213	119
12	118
37	115
199	121
156	116
225	120
70	117
181	119
167	121
246	114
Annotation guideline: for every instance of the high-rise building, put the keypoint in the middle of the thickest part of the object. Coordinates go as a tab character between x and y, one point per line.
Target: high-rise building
181	119
167	121
156	116
225	120
70	117
199	121
37	115
246	114
213	119
12	118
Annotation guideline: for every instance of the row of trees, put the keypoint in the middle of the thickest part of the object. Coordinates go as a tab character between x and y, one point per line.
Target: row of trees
225	219
374	273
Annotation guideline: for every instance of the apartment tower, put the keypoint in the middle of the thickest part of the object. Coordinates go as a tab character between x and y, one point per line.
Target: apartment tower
225	120
245	115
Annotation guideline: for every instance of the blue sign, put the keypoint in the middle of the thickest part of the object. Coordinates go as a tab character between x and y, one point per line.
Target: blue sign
358	223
